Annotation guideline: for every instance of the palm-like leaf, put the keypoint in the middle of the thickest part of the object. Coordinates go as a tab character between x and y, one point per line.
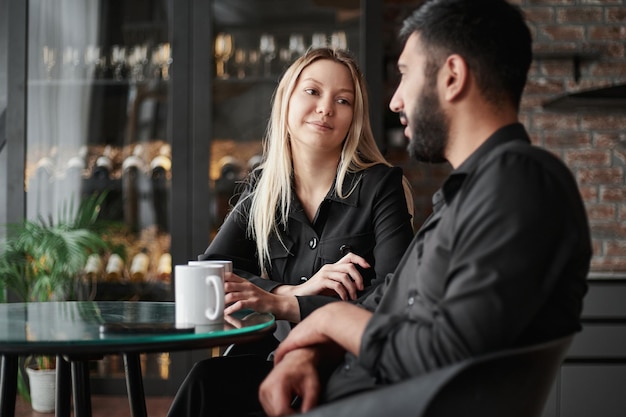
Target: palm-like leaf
41	260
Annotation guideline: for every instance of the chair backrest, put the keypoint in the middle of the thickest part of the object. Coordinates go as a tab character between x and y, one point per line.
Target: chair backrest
511	383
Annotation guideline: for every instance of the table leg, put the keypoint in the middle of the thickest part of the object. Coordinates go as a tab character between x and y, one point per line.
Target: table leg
134	385
8	385
81	388
63	403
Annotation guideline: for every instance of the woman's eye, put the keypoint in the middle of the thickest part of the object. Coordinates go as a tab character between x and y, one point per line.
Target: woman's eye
343	101
310	91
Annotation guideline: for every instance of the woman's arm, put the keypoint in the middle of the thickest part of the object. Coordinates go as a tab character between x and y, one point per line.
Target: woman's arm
383	204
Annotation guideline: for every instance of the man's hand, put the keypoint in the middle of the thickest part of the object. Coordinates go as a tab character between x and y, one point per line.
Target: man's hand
296	375
339	323
328	331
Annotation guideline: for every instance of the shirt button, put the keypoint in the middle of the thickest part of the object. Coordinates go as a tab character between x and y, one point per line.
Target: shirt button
303	279
345	249
313	243
411	301
346	367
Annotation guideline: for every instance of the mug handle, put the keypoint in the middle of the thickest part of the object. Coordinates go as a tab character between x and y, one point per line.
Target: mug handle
218	289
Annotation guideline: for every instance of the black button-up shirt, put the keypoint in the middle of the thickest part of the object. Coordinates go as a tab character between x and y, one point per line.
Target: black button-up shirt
501	262
372	222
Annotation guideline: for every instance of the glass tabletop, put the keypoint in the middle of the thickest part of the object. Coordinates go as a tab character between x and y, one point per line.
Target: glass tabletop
77	327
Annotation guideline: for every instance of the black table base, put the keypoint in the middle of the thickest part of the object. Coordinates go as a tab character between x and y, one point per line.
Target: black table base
8	388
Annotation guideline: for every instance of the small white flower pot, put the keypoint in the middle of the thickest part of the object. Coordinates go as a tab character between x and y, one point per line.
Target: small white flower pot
42	389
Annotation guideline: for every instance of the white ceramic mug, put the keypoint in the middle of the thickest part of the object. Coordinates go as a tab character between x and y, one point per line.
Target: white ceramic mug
199	294
228	265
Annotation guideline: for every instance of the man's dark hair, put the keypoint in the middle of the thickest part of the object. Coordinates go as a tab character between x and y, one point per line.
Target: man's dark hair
491	35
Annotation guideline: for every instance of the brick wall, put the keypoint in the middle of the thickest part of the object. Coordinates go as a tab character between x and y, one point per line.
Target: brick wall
592	142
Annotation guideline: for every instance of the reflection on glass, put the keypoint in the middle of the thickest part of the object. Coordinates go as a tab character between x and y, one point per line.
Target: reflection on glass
48	60
338	40
223	51
267	47
240	62
71	61
284	56
318	40
296	45
164	365
137	60
161	60
94	62
253	62
118	62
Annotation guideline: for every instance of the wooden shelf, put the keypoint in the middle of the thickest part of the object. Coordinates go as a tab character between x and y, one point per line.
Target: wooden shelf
576	56
601	99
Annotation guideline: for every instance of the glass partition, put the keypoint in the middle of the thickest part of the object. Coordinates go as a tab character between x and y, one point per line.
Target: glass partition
253	43
97	120
98	74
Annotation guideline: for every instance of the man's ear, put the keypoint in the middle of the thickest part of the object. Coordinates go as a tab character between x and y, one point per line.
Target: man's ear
455	77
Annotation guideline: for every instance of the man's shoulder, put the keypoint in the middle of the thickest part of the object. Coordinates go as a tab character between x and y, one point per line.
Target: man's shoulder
520	173
522	152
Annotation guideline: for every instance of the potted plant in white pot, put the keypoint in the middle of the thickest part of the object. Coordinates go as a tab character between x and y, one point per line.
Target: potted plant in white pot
42	261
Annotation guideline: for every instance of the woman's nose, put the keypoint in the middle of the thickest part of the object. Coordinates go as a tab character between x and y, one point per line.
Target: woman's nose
325	108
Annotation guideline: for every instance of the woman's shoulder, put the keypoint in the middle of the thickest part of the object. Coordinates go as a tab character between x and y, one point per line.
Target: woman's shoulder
380	171
243	193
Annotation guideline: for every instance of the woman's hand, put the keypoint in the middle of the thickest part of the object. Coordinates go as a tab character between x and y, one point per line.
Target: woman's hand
239	294
341	278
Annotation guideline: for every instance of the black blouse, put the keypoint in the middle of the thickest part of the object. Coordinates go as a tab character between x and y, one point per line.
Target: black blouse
372	222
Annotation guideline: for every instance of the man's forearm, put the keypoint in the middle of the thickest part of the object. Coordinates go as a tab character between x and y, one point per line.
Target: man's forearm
340	325
343	323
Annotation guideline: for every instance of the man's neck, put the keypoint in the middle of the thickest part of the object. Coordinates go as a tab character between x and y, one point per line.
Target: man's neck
471	127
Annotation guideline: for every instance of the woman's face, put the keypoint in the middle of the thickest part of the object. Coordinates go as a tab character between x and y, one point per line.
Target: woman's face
321	108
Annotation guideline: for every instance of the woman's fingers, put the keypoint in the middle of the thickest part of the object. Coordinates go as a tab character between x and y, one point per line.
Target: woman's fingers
338	288
339	281
354	259
343	282
350	277
342	277
348	265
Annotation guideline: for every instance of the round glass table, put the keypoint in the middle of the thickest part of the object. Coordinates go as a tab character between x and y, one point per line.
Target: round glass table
76	331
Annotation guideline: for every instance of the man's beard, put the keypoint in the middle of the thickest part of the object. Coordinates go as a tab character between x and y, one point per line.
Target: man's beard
430	128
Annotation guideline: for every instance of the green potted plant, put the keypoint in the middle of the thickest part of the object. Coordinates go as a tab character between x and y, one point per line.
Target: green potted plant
43	261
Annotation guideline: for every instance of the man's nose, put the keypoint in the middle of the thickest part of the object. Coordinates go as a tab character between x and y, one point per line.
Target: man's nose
396	103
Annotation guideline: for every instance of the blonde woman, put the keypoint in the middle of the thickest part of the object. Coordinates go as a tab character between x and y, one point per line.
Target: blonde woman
325	216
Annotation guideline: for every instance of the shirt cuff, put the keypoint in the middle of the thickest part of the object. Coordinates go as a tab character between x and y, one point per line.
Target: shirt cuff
374	338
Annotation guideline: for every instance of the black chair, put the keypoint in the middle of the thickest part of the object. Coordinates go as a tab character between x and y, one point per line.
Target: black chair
510	383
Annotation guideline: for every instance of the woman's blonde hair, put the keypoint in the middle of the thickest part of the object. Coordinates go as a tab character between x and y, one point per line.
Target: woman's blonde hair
272	195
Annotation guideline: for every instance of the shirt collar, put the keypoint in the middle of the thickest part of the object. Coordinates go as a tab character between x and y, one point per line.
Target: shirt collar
451	186
352	185
351	180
